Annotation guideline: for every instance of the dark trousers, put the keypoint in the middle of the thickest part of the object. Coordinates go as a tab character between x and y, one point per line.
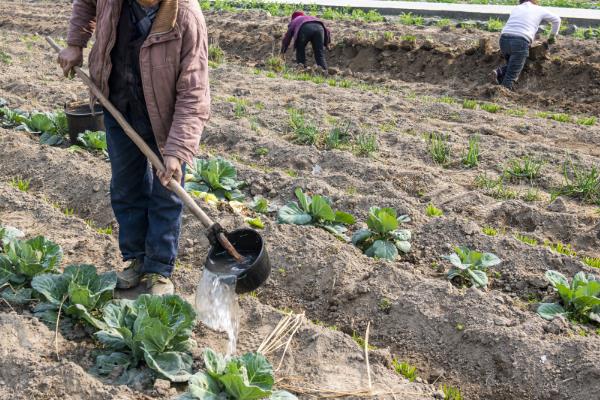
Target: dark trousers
515	50
314	33
149	215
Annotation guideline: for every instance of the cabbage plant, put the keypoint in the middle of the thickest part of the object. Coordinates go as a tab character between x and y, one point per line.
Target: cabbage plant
52	126
315	210
248	377
383	239
579	299
79	290
217	176
471	265
24	259
153	329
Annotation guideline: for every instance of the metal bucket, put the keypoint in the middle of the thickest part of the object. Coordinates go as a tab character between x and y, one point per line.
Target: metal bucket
80	118
252	247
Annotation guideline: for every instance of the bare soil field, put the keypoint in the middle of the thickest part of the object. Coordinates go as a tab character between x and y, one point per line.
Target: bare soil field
489	343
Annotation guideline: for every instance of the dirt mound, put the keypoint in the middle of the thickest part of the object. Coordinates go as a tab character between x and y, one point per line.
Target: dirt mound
29	369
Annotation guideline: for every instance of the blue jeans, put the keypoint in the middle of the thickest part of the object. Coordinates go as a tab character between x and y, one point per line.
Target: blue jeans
149	215
515	50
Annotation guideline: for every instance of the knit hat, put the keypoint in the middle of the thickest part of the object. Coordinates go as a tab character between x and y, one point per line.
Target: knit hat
296	14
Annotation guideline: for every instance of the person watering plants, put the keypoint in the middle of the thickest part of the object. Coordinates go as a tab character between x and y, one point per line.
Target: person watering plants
304	29
517	36
150	58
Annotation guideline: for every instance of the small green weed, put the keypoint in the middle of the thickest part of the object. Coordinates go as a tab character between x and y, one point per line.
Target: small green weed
439	148
495	187
579	183
523	168
105	231
531	195
389	36
592	262
409	38
305	131
443	22
385	305
405	369
494	25
361	341
261	151
276	64
516	112
20	184
5	58
526	239
488	230
216	53
366	144
68	212
490	107
292	173
561	248
460	327
560	117
471	159
470	104
446	100
587	121
410	19
451	393
433	211
338	136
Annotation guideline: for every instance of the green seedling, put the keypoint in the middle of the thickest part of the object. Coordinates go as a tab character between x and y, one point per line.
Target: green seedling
488	230
451	393
305	132
366	144
20	184
526	239
292	173
494	25
446	100
471	159
490	107
560	248
560	117
471	265
361	341
338	136
410	19
261	151
524	168
315	210
470	104
382	238
384	305
276	64
587	121
439	148
405	369
592	262
579	299
5	58
216	53
579	183
433	211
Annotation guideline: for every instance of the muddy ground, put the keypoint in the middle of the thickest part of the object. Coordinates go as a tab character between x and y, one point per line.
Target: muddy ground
490	343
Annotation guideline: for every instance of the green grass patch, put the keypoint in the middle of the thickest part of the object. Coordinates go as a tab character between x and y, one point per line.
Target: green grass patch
20	184
439	148
560	248
526	239
405	369
471	158
433	211
592	262
470	104
490	107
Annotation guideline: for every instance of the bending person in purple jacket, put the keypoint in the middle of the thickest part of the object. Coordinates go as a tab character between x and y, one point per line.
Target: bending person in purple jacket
303	29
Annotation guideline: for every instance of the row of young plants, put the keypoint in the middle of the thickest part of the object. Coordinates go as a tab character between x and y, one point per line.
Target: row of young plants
382	238
151	330
52	128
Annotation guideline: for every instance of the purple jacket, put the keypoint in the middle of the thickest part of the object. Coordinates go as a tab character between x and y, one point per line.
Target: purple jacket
294	28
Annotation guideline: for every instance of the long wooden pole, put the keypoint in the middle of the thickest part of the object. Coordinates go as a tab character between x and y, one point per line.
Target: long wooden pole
152	156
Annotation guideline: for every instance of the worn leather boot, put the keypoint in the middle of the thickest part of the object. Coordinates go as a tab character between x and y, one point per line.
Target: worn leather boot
157	284
130	276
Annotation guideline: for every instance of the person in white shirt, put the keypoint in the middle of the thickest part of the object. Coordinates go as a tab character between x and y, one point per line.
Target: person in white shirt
517	36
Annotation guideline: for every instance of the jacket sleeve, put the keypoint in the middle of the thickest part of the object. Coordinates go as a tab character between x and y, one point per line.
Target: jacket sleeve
82	22
554	20
192	99
285	43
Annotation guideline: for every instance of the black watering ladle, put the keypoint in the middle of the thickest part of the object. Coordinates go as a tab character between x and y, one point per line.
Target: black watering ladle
241	253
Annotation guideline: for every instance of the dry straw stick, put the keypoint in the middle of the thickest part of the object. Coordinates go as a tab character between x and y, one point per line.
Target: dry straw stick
281	336
367	356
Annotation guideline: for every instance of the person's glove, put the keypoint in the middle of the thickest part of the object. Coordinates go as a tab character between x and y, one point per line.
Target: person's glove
552	39
213	232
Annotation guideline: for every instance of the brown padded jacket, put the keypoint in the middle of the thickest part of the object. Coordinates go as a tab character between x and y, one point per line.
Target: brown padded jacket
173	66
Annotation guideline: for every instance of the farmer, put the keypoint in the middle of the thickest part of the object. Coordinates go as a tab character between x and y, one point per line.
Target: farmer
303	29
150	59
517	36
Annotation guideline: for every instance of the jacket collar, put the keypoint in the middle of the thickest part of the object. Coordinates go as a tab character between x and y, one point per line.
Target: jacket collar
166	17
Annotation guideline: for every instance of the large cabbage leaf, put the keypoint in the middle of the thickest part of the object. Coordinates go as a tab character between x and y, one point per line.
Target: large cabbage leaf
24	259
155	329
80	290
248	377
217	176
